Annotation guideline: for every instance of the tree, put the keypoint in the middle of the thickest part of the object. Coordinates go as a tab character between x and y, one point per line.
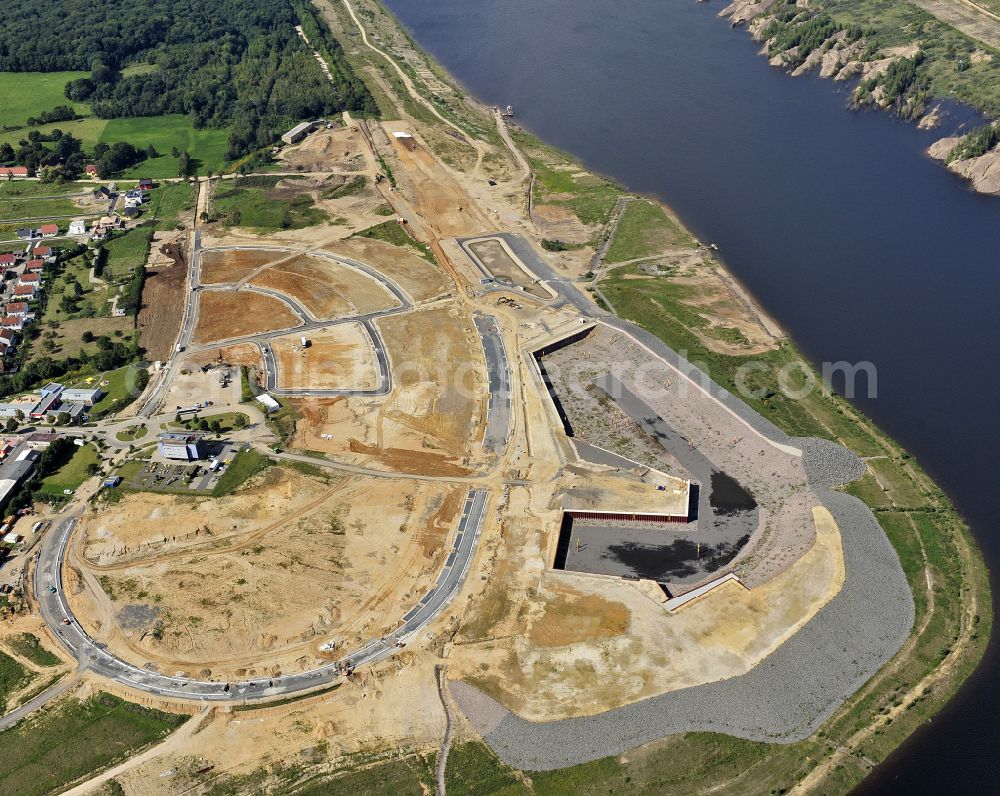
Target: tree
177	418
184	165
63	418
215	426
203	425
11	425
240	421
87	336
151	152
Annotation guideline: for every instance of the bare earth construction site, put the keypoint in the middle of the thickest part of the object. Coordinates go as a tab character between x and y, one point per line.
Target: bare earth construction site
449	488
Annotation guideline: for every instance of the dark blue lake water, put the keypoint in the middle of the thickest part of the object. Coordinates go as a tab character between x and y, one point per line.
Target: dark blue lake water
856	242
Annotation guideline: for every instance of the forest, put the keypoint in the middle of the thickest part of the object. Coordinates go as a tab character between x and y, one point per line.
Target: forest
235	64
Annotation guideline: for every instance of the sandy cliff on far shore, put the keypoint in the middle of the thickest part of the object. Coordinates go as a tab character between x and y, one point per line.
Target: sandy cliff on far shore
982	172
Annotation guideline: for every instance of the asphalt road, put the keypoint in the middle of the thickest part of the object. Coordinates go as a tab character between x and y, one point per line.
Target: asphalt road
94	657
498	374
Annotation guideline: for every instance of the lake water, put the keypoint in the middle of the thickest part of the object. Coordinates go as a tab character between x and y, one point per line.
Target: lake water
858	244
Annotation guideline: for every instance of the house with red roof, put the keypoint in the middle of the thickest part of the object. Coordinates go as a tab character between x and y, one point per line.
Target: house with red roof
6	338
91	170
34	266
13	171
13	322
49	230
24	292
6	260
42	251
30	279
17	308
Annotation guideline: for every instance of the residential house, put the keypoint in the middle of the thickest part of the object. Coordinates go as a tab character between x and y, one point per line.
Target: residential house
24	292
12	322
30	279
7	260
102	193
6	339
25	234
34	266
46	253
48	230
19	308
91	171
77	227
13	171
145	184
131	212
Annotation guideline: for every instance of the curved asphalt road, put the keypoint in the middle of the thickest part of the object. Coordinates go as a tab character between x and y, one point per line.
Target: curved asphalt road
94	656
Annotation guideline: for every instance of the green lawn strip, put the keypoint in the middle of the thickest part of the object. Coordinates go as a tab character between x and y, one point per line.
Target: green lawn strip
73	739
254	203
13	677
473	770
227	421
88	130
27	94
244	466
72	473
29	646
207	147
392	232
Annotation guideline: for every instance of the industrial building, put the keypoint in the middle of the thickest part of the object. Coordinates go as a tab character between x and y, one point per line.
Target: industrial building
177	445
298	132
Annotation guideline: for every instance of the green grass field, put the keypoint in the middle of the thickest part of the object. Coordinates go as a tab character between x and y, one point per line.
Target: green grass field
28	646
127	252
73	473
121	382
645	229
26	94
88	130
131	434
74	739
254	203
92	303
244	466
168	201
227	420
13	677
207	147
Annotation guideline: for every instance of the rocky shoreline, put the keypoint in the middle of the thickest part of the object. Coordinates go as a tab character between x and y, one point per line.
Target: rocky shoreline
842	56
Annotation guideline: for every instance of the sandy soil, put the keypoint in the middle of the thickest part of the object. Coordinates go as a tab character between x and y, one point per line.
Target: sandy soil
224	315
241	354
336	150
340	357
435	194
437	360
226	267
256	581
325	288
494	256
419	278
193	386
605	638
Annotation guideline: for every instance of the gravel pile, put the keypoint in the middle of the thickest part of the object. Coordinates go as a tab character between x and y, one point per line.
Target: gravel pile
829	464
783	699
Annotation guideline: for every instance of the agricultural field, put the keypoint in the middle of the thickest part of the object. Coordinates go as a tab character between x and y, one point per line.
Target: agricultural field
87	129
89	299
266	203
75	738
27	94
207	147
